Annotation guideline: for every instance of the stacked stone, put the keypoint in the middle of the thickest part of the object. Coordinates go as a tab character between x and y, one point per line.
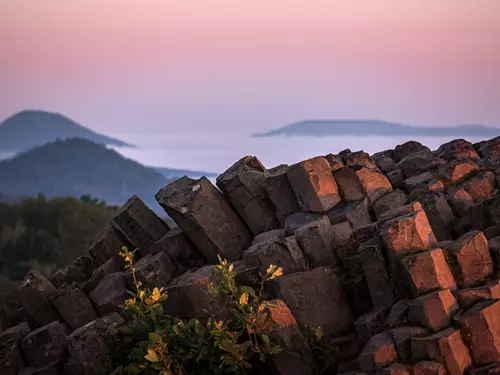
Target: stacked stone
395	256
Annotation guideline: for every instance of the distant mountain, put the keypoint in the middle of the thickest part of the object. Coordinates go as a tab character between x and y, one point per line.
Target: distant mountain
78	167
320	128
172	173
27	129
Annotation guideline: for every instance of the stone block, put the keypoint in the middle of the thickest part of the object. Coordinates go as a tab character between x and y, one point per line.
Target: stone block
490	369
243	184
492	232
375	184
298	219
459	200
446	347
315	241
112	265
73	305
16	333
396	178
378	353
342	241
369	324
398	212
439	214
470	296
11	358
385	164
356	288
52	369
390	201
80	270
152	271
395	369
480	327
419	162
481	186
110	294
494	248
315	298
206	218
359	159
34	296
458	149
434	310
413	182
45	345
356	213
280	193
406	149
376	273
470	259
402	337
429	368
397	315
349	184
335	161
108	243
314	185
428	271
58	278
456	171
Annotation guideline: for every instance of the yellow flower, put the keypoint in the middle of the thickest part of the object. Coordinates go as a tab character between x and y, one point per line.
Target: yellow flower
270	269
277	273
231	267
155	296
152	356
130	302
142	294
244	299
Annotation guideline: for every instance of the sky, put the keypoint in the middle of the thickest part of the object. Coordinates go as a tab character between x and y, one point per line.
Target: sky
219	66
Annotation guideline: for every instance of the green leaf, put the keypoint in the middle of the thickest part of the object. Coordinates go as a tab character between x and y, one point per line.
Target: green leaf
155	339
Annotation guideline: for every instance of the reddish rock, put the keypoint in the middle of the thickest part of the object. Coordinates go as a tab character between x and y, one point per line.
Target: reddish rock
243	184
108	243
470	296
433	310
45	345
375	184
396	178
470	259
349	184
335	161
110	294
396	369
11	358
359	159
378	353
428	271
457	171
429	368
206	218
314	185
446	347
280	193
402	337
480	327
481	186
315	298
140	224
34	296
356	213
439	214
408	148
315	241
388	202
398	212
152	271
459	200
458	149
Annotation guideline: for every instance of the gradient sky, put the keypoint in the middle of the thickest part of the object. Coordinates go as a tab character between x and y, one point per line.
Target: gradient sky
248	65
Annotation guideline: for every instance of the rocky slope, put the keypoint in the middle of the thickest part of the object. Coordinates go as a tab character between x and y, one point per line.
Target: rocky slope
395	255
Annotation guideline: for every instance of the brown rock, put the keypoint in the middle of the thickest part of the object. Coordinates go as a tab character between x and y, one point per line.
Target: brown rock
481	186
73	305
349	184
280	193
140	224
152	271
480	327
386	164
34	297
480	216
398	212
243	184
408	148
446	347
342	239
335	161
58	278
470	259
369	324
397	314
413	182
206	218
457	171
439	214
181	251
314	185
470	296
459	200
492	232
378	353
396	178
359	159
402	337
112	265
396	369
108	243
419	162
493	368
429	368
10	357
315	241
359	299
110	294
461	226
298	219
80	270
458	149
16	333
45	345
375	184
315	298
433	310
388	202
356	213
428	271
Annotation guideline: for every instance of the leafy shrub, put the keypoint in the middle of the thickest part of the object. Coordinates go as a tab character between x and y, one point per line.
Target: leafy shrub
154	343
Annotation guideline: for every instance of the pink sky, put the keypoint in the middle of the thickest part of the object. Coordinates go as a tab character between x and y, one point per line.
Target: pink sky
249	65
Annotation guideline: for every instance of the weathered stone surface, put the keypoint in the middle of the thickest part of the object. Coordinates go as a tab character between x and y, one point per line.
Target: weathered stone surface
88	345
280	193
429	368
459	200
408	148
16	333
243	184
419	162
342	239
432	186
492	232
58	278
396	178
412	182
73	305
493	368
458	149
349	184
456	171
461	226
388	202
439	214
51	369
189	296
315	241
378	353
80	270
369	324
112	265
11	358
45	345
395	369
359	159
298	219
375	184
386	164
397	315
140	224
152	271
480	326
110	294
376	273
398	212
34	297
108	243
428	271
470	259
315	298
433	310
335	161
444	346
284	253
470	296
356	213
314	185
359	299
206	218
402	337
481	186
181	251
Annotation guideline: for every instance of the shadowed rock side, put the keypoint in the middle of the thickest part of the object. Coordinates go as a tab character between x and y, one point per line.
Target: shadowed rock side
396	256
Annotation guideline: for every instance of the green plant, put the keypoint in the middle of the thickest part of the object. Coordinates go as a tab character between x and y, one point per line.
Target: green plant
154	343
